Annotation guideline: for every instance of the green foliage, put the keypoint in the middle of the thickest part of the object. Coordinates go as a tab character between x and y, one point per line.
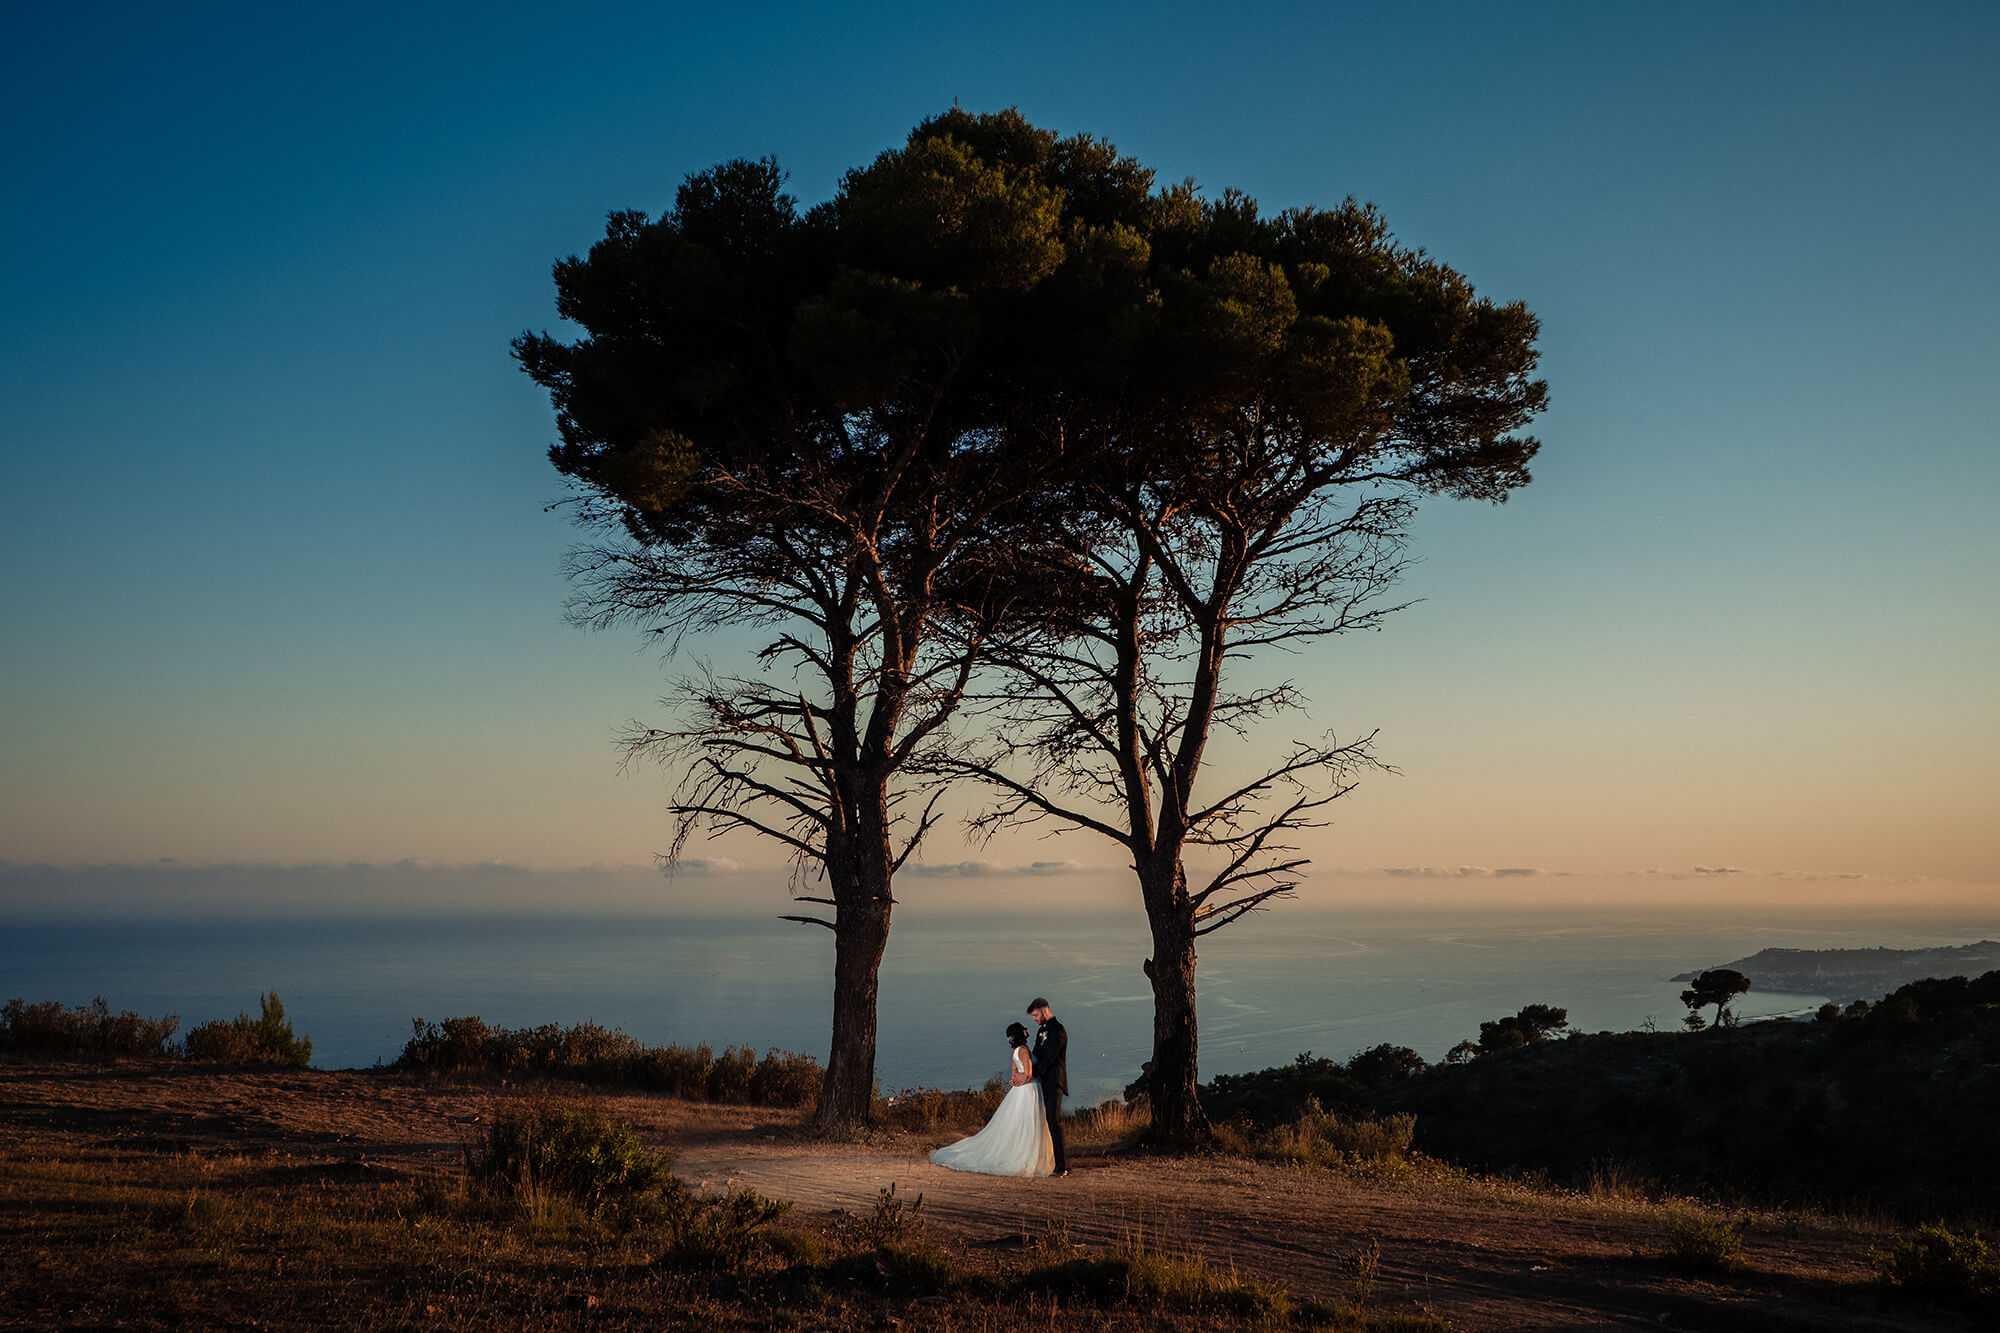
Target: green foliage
1329	1138
1534	1025
1268	1097
266	1039
1707	1241
1133	1272
48	1031
729	1077
568	1151
1887	1106
922	1110
549	1156
1939	1264
786	1078
957	384
896	1221
1718	987
588	1053
1385	1064
732	1232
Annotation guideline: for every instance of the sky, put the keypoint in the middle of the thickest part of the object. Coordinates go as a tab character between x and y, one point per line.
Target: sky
279	584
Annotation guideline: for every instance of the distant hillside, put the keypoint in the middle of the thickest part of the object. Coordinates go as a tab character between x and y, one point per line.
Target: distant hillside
1846	975
1888	1105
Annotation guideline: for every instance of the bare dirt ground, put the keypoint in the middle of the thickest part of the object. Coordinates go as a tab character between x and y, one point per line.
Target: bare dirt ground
1485	1255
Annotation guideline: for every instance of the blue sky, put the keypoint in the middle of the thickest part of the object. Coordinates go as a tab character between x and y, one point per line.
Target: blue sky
278	583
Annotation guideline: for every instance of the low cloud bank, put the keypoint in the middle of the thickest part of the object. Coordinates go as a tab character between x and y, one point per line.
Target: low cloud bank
721	886
413	886
990	869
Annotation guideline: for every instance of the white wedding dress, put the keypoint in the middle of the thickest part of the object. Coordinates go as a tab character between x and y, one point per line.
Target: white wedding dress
1015	1141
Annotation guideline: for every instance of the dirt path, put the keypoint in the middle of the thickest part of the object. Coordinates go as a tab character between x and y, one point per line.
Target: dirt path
1485	1256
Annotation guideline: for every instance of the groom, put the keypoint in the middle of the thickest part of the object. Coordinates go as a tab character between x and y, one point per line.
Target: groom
1051	1046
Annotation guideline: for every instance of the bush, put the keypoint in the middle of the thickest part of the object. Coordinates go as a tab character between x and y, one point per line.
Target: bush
570	1155
243	1040
896	1222
786	1079
588	1053
1328	1138
1533	1025
1132	1272
729	1233
678	1071
1700	1240
891	1246
571	1152
1113	1118
1385	1064
1938	1263
923	1109
729	1079
48	1031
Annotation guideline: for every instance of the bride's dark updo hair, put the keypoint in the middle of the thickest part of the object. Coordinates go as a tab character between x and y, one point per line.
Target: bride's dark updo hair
1017	1035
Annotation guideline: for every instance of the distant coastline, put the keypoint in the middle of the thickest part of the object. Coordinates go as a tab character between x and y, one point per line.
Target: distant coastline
1847	975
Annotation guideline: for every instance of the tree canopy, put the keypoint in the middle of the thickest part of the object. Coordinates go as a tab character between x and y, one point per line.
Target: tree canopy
1718	987
1002	419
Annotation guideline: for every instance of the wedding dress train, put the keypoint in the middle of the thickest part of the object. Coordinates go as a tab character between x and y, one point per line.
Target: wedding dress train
1015	1141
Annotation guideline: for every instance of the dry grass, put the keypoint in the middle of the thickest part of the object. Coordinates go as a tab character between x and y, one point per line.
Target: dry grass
179	1197
190	1239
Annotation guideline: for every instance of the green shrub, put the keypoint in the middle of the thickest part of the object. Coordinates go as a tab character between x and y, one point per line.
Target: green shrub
1364	1266
1134	1273
572	1152
728	1232
896	1222
1701	1240
243	1040
1533	1025
1326	1138
1938	1263
589	1053
729	1078
48	1031
454	1045
921	1110
1331	1139
547	1158
681	1071
786	1079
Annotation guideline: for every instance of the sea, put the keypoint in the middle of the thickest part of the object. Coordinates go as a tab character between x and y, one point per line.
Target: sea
1272	987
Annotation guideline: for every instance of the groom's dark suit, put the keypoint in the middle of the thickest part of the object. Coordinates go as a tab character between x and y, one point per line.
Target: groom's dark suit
1052	1073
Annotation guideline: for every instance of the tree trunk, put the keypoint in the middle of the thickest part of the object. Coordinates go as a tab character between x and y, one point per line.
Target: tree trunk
1178	1120
861	931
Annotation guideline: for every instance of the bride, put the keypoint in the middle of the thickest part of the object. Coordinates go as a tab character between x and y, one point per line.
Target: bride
1015	1141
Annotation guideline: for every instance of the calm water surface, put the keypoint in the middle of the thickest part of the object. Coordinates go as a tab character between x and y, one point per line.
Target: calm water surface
1278	984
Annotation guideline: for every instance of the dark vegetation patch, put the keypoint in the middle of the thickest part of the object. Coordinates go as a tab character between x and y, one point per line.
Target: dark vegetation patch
590	1054
49	1031
243	1040
1891	1104
1935	1263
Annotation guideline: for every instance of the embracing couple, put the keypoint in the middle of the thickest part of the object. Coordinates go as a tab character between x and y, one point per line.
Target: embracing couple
1025	1136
